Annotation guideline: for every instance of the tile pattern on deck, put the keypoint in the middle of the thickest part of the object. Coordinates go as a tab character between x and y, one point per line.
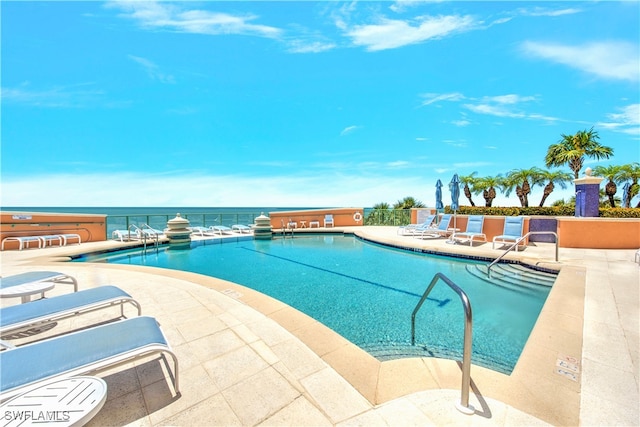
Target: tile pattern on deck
240	366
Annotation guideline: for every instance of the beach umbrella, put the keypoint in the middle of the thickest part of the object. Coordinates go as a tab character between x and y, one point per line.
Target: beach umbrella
439	204
454	186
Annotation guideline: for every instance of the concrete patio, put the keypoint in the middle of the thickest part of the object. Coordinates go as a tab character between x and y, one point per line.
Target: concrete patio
246	359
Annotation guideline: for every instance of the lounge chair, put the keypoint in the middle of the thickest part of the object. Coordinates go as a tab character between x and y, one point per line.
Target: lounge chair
473	231
148	232
328	219
24	279
442	230
200	231
124	235
67	237
220	229
408	230
23	241
36	313
513	229
242	228
84	352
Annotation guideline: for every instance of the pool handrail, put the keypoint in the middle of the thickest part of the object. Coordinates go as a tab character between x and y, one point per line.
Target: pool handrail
462	406
517	242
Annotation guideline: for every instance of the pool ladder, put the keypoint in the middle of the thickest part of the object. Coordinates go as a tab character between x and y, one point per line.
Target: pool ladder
462	406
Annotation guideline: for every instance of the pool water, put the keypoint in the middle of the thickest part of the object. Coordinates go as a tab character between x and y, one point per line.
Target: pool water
367	292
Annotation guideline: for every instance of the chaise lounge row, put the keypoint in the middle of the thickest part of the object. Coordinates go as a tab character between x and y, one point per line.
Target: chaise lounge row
512	232
42	241
81	352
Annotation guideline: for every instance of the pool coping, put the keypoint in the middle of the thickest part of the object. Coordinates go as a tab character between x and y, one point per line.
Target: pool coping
536	386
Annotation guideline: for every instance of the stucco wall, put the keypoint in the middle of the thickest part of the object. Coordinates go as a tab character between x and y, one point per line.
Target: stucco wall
91	228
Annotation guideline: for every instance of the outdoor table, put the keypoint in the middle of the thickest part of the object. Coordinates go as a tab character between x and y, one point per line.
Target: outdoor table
63	402
25	291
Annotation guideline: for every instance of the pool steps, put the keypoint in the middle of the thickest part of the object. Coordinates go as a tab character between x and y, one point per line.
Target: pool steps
514	277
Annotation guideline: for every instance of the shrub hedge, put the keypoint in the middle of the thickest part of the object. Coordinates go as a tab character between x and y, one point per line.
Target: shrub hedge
567	210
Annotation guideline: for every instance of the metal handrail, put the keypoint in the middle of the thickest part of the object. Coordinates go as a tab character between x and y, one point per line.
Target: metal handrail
517	242
463	406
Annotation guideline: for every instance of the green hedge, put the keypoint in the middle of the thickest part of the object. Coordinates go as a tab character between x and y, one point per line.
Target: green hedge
543	211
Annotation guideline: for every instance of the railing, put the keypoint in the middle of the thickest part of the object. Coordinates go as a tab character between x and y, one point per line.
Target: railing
463	406
517	242
159	221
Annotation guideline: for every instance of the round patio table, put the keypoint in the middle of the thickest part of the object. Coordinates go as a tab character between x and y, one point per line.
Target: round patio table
25	291
62	402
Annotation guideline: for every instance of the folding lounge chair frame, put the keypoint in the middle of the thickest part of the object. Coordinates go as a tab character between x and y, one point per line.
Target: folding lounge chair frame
38	276
442	230
36	313
241	228
23	241
474	230
84	352
409	230
513	230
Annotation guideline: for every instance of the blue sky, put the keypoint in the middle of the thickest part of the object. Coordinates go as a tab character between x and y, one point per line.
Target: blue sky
303	103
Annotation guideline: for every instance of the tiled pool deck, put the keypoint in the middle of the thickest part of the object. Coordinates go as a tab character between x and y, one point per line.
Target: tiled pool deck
246	359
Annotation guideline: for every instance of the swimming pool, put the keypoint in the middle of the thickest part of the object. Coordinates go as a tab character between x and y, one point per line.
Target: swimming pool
367	292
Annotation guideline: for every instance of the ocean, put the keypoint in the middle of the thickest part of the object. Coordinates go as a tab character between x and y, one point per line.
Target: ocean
121	217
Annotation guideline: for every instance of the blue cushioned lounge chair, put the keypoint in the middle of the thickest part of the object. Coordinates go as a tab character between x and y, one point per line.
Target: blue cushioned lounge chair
36	313
409	230
442	230
473	231
85	352
36	277
513	229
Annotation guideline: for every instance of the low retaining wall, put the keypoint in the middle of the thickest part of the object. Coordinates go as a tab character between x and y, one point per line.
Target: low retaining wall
342	217
90	228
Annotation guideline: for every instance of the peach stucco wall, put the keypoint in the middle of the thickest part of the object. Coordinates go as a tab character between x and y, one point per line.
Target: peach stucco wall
601	233
91	228
342	217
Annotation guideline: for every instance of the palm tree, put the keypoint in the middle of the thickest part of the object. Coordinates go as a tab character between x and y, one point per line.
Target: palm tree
523	176
487	185
572	149
552	178
466	180
408	203
631	172
614	174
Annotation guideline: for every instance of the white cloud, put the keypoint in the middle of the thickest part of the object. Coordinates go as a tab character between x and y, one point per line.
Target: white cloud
608	60
305	46
153	70
73	96
348	130
174	18
389	33
432	98
626	121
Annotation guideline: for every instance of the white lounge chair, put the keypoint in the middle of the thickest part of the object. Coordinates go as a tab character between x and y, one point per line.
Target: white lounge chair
124	235
512	231
411	228
23	241
328	219
242	228
220	229
84	352
43	311
442	230
200	231
473	231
